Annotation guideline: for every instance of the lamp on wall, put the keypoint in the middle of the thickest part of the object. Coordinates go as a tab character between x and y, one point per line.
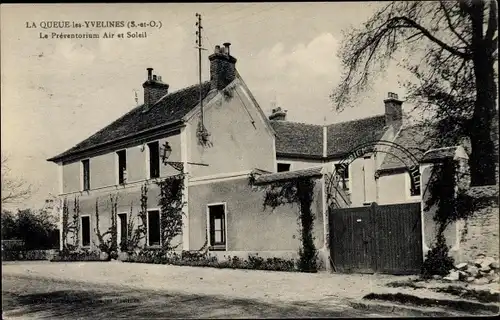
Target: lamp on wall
166	151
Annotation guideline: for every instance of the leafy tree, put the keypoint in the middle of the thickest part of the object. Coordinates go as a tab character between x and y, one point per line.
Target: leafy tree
451	49
34	228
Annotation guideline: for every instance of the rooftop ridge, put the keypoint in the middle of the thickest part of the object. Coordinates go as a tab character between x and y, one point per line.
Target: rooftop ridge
353	120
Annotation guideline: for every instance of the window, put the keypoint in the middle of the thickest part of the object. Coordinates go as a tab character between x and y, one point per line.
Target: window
154	228
122	218
86	174
344	175
283	167
122	166
217	226
154	159
85	231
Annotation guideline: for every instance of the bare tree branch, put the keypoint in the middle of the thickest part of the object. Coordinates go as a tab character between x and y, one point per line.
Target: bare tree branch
450	23
13	189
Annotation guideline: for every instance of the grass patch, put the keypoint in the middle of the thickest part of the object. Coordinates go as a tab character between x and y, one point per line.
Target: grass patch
479	295
426	302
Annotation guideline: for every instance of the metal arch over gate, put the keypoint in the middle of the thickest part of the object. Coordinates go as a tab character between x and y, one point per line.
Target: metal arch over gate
411	163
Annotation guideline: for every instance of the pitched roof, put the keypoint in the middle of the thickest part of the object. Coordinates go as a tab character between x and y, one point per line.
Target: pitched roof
170	108
294	138
342	137
288	175
416	139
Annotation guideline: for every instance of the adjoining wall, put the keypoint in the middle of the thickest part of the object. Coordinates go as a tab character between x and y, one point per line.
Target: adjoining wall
480	233
451	233
250	228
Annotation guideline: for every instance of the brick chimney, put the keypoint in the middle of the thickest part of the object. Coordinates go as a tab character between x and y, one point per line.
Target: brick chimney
393	110
154	89
222	67
278	114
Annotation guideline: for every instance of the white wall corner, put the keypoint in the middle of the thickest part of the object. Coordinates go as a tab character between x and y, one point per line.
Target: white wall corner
60	177
325	141
184	160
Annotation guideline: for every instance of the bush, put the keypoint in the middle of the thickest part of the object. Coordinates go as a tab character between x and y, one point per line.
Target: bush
438	262
17	255
80	255
35	229
196	259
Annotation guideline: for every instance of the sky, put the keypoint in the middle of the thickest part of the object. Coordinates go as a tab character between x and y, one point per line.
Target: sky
57	92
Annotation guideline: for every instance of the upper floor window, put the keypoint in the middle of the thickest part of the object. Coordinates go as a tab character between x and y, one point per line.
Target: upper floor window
344	175
86	174
122	166
413	192
154	159
283	167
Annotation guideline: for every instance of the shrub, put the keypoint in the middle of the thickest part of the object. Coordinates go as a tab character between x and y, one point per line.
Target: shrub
79	255
438	262
196	259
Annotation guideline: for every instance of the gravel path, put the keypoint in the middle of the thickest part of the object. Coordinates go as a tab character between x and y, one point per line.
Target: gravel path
244	284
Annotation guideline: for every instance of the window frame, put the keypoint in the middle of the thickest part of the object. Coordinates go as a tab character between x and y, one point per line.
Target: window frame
82	173
147	228
348	181
148	159
119	227
81	230
217	247
118	168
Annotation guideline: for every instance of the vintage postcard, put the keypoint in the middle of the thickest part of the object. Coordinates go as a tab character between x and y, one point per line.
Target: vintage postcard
249	160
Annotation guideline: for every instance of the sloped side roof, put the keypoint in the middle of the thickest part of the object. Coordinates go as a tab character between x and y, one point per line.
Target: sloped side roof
343	137
439	154
294	138
416	139
170	108
288	175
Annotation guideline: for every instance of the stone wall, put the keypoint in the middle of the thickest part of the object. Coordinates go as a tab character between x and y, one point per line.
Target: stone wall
480	233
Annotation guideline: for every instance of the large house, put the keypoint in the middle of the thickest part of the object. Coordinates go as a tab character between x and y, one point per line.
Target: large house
221	206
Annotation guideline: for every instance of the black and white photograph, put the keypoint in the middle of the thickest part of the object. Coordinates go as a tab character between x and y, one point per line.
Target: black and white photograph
250	160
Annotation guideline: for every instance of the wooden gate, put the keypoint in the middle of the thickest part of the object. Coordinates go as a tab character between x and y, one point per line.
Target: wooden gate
383	239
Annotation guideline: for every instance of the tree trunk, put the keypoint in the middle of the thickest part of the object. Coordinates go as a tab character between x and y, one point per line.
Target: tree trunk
483	159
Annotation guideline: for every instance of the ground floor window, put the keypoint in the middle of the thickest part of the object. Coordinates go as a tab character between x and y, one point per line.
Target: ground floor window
85	231
154	228
122	218
217	226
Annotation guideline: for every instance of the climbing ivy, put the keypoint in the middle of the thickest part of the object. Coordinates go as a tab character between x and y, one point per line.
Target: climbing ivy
76	221
108	241
171	204
452	203
298	191
133	236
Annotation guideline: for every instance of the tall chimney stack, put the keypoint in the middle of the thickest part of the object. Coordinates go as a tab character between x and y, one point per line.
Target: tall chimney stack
222	67
393	111
154	89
